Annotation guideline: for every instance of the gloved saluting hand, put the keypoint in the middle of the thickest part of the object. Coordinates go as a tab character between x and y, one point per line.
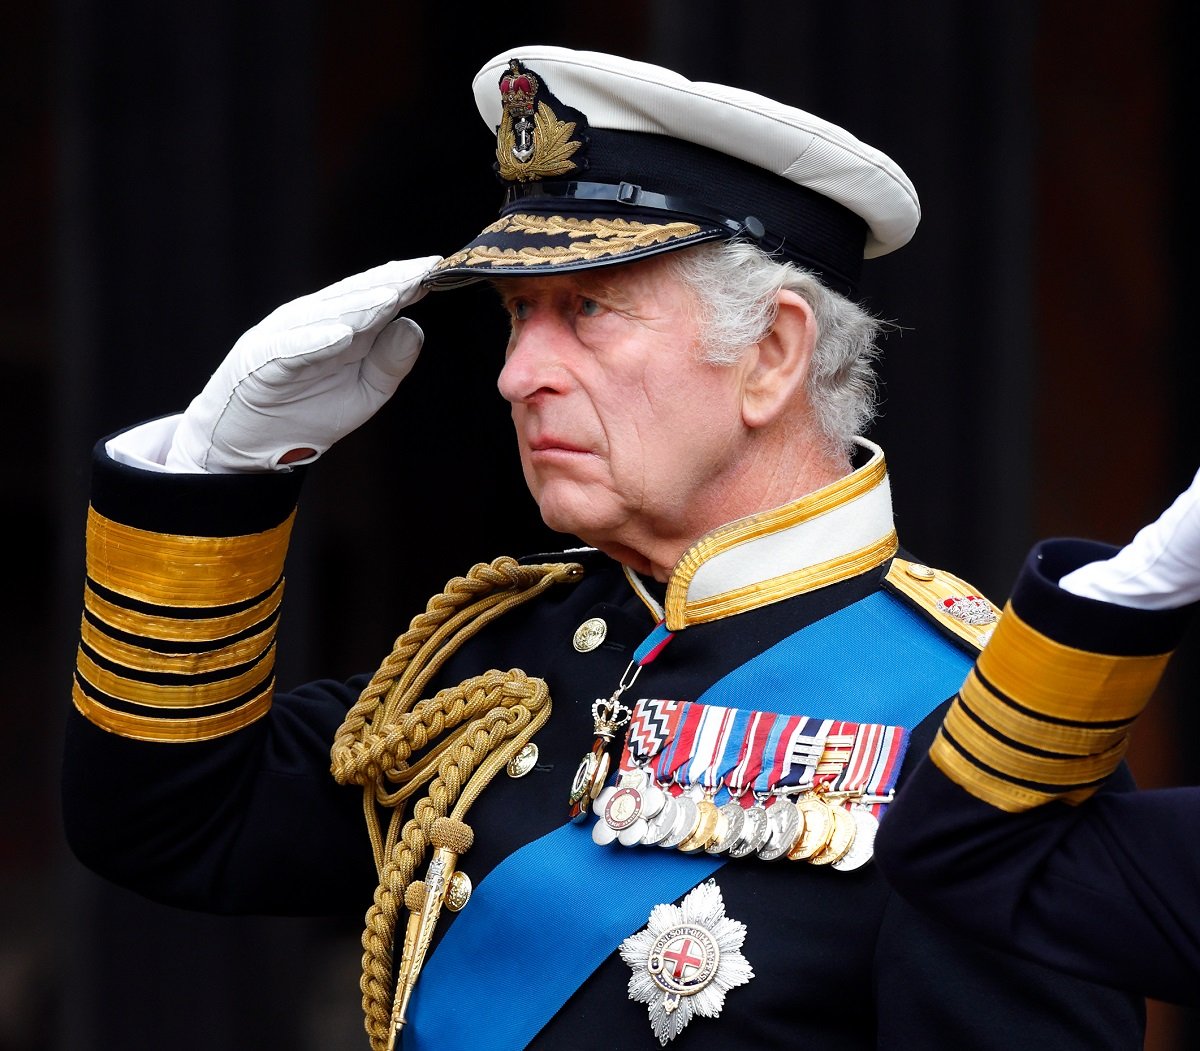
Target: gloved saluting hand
306	375
1158	569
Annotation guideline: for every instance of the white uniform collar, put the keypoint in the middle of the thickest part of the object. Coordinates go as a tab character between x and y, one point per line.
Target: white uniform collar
829	535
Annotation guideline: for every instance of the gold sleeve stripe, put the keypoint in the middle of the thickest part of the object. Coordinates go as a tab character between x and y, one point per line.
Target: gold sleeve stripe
165	569
1030	729
992	789
1042	767
191	728
1061	682
1037	720
142	659
192	695
182	629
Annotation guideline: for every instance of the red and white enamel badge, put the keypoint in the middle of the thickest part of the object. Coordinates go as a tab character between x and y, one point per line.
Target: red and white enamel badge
685	960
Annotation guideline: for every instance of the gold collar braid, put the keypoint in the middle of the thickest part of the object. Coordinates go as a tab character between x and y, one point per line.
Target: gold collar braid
476	728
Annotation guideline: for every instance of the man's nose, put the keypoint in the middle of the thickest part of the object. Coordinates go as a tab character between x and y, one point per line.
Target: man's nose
534	361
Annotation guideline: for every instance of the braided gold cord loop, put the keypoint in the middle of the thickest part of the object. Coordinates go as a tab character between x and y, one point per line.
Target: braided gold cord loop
432	637
514	707
392	743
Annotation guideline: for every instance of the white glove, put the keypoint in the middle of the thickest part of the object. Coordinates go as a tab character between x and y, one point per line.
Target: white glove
306	375
1158	569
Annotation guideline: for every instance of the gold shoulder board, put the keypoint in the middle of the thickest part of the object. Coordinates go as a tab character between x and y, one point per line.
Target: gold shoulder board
950	602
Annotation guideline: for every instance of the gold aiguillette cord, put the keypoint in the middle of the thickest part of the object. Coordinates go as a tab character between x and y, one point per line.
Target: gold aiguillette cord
392	742
450	839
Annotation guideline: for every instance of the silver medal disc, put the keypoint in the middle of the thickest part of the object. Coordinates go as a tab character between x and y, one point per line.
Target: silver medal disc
653	800
685	820
632	836
603	833
601	801
659	826
755	830
785	824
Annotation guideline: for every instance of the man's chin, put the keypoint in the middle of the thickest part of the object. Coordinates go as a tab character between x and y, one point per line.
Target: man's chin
576	518
573	526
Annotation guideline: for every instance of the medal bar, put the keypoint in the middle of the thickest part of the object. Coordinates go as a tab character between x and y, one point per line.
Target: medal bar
704	778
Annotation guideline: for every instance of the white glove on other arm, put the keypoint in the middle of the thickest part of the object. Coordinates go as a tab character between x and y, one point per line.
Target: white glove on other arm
306	375
1158	569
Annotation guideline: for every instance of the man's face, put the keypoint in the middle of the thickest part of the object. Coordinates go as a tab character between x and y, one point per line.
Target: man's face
627	439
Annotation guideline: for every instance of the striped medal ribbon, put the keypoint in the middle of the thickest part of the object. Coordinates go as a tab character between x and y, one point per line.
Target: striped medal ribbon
609	716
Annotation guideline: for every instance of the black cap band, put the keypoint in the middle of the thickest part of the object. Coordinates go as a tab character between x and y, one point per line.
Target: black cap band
800	224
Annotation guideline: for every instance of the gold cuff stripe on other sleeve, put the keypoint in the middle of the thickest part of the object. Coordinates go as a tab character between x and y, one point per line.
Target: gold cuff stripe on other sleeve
192	695
986	786
1034	714
1009	760
171	570
142	659
1061	682
1030	729
182	629
192	728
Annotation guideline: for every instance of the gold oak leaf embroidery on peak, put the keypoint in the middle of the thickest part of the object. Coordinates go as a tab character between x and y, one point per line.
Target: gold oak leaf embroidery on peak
590	239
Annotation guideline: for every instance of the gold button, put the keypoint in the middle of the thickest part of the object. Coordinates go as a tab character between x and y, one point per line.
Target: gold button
524	761
920	572
458	891
590	634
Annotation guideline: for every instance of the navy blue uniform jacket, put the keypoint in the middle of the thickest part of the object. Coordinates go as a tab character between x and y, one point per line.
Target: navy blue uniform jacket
250	820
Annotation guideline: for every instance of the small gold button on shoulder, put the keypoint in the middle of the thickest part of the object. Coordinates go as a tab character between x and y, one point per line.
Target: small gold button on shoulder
590	634
919	571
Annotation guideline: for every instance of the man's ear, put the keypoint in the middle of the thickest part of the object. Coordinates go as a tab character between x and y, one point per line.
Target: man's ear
777	366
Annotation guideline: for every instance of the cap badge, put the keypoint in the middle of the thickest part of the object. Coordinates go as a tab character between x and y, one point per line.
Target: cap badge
532	142
685	960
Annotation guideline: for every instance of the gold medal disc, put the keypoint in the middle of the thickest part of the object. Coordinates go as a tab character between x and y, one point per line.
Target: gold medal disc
818	828
706	827
842	836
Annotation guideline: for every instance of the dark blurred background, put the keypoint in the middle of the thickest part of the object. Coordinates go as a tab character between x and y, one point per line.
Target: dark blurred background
172	172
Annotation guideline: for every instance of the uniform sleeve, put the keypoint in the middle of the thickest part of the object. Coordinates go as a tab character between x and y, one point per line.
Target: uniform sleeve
1017	828
186	777
939	987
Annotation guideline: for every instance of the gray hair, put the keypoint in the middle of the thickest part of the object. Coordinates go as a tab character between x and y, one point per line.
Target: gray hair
736	283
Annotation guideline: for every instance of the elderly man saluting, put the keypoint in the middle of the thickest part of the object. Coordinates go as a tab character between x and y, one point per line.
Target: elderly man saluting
624	795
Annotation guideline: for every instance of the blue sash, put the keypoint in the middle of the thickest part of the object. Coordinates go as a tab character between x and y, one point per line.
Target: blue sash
487	988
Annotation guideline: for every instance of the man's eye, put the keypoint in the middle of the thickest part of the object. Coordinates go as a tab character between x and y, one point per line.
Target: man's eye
519	309
589	308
